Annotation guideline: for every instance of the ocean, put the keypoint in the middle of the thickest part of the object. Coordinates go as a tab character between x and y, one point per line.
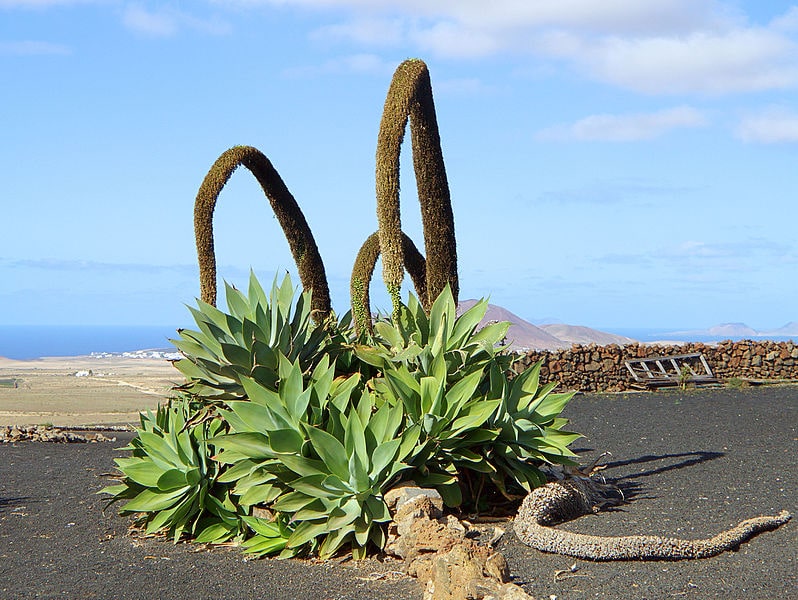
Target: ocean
25	342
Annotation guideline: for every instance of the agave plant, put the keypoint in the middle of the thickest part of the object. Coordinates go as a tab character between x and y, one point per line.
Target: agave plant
530	429
313	453
475	415
248	339
170	478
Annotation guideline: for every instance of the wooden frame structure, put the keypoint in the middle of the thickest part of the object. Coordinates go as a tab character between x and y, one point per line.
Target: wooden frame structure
679	369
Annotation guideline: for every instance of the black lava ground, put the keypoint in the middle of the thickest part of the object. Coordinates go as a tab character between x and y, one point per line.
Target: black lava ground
692	463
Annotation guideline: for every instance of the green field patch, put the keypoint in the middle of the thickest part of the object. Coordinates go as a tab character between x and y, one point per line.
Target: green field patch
12	382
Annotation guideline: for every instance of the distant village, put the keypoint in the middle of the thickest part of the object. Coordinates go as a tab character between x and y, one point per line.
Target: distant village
140	354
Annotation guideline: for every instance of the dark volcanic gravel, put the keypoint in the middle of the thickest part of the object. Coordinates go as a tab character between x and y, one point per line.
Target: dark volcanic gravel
692	463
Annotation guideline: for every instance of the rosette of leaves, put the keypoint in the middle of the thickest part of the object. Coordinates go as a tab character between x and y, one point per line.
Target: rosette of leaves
477	418
318	453
530	429
248	340
417	340
171	481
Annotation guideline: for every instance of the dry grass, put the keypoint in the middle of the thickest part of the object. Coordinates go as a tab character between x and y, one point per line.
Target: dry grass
48	391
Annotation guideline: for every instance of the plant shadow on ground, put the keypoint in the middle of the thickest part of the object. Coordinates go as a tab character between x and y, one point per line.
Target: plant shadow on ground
13	502
630	485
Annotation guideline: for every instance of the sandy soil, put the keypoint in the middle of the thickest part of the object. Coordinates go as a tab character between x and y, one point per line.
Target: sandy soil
61	391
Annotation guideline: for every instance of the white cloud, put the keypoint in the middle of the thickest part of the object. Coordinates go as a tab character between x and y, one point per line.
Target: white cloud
769	127
365	30
167	21
743	60
353	63
653	47
626	128
32	48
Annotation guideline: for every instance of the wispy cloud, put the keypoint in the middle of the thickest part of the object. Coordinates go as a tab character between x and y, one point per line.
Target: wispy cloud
653	47
705	62
167	21
73	265
728	256
604	193
775	125
33	48
626	128
353	63
37	4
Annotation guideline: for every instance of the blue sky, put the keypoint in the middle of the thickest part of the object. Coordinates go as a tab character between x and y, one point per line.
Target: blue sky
612	164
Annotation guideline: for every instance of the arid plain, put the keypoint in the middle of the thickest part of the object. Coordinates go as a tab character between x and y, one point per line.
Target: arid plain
82	390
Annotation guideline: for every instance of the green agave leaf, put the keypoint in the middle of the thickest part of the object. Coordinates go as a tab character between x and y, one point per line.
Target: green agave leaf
176	478
390	334
313	512
306	532
237	355
466	323
341	391
215	533
442	314
384	424
252	445
257	477
188	368
210	314
358	473
260	494
333	541
293	502
150	500
238	470
237	303
354	437
383	456
262	526
322	378
362	528
166	518
257	295
432	393
159	450
291	384
370	355
461	392
344	515
116	490
551	407
330	451
474	415
286	441
303	466
312	485
141	470
261	546
377	509
540	398
259	417
490	335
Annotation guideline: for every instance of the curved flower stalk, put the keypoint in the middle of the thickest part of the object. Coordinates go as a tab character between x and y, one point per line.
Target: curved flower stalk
292	220
410	98
363	272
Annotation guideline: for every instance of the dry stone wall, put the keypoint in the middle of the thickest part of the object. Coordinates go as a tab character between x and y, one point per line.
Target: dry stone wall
595	368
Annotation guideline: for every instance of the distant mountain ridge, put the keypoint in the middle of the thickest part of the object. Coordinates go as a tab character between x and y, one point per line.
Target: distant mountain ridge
741	330
523	335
